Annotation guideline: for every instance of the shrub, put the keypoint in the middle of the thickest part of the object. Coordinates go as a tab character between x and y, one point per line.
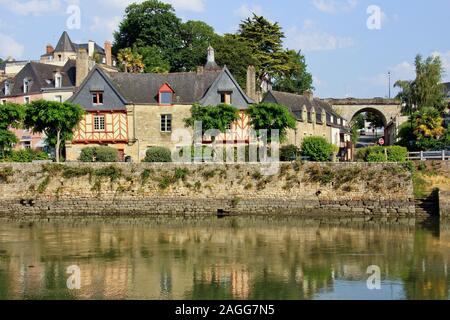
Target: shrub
101	154
289	153
111	172
317	149
158	154
26	155
378	154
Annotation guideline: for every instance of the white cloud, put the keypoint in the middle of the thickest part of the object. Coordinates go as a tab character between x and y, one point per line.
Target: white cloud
310	38
182	5
34	7
334	6
105	25
10	47
246	11
402	71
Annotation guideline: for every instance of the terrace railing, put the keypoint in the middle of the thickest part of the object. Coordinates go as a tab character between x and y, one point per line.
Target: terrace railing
429	155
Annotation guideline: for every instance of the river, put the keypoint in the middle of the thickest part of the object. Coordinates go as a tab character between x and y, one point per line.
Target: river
230	258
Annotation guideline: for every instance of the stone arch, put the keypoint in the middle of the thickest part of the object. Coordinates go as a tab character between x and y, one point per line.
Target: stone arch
383	116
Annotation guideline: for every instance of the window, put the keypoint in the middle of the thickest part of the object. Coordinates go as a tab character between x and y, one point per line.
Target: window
166	123
225	97
26	100
99	123
97	98
26	85
27	145
309	116
58	98
58	80
165	98
319	117
7	88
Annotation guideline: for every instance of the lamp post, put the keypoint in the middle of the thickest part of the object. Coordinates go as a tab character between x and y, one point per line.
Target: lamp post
389	75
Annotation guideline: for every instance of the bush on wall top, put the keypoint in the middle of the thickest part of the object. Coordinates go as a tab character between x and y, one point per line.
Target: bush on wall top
99	154
25	155
317	149
377	154
158	154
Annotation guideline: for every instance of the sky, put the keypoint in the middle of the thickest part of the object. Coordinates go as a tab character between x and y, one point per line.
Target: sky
350	45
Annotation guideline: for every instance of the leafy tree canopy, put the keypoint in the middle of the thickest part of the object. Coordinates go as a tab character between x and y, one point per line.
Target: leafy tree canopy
297	80
11	115
218	117
427	89
57	120
271	116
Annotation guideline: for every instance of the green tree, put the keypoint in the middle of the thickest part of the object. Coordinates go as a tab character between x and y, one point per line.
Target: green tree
235	54
1	60
218	117
153	59
130	61
375	120
150	23
426	91
297	80
271	116
11	116
57	120
317	149
196	37
266	41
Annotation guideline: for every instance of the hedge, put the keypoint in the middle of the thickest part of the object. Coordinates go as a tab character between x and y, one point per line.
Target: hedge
158	154
25	155
377	154
289	153
101	154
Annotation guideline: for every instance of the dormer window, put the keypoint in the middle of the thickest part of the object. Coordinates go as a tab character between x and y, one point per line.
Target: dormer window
7	88
225	97
97	98
58	80
166	95
26	85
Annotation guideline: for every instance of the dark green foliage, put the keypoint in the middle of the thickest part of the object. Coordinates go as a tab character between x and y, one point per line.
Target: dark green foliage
289	153
271	116
112	172
100	154
319	174
44	184
145	176
11	115
57	120
378	154
75	172
6	173
158	154
25	155
181	174
213	117
318	149
297	80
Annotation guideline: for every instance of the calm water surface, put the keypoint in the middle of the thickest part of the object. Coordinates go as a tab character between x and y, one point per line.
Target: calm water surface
226	259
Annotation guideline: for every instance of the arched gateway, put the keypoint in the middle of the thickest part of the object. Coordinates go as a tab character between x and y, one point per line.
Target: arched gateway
389	111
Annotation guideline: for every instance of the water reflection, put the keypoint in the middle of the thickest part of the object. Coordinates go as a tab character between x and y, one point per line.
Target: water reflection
229	259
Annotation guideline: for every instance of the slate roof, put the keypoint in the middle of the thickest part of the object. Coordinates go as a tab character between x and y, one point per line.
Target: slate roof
41	76
189	87
296	102
65	44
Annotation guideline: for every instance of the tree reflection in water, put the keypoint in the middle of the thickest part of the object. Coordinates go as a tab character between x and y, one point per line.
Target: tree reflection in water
227	259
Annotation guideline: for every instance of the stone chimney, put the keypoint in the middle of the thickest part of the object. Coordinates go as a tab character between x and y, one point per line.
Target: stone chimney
91	48
108	53
211	55
251	83
309	94
49	49
82	65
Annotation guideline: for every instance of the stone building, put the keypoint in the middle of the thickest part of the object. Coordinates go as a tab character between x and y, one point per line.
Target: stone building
314	118
132	112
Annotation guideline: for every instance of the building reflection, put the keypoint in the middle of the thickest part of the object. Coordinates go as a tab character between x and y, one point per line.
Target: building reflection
264	261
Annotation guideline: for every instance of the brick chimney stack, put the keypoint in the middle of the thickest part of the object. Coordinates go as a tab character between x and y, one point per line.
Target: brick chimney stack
82	66
108	53
49	49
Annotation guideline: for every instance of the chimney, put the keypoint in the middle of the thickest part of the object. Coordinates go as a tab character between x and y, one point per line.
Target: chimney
49	49
82	66
309	94
251	83
108	53
211	55
91	48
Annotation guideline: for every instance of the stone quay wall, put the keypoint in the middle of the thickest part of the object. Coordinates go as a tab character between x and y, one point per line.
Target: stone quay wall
203	190
444	204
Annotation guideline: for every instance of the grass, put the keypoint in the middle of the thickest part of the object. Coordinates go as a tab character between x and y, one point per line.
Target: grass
43	185
145	176
6	173
420	186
